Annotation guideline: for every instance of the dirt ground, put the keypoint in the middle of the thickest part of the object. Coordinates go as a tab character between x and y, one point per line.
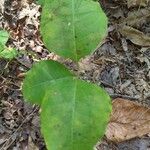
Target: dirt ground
121	65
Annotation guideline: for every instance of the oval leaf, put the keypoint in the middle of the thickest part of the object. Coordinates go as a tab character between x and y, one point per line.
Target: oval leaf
40	77
74	113
72	29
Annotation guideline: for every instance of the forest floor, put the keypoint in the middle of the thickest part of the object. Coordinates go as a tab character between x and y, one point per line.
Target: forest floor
121	65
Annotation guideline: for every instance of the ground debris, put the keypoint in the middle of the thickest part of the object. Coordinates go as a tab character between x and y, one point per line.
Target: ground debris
135	3
137	18
136	36
121	66
128	120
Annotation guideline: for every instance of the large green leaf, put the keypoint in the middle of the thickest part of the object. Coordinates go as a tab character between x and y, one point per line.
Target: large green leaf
40	77
74	113
72	28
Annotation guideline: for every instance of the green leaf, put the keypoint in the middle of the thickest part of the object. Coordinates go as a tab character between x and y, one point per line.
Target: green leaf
8	53
1	48
40	77
3	37
41	2
74	113
72	28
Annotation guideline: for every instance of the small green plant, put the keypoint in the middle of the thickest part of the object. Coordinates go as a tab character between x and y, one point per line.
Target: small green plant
74	113
6	52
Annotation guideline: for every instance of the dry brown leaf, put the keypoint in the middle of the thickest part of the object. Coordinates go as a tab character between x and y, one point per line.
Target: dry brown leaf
128	120
137	18
2	6
134	3
31	145
135	36
86	64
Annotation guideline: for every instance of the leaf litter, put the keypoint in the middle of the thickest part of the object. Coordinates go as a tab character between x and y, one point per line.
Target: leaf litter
121	65
128	120
137	3
135	36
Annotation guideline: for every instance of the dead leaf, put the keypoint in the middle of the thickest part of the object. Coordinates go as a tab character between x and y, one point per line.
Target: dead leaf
135	36
2	6
134	3
128	120
31	145
144	59
137	18
86	64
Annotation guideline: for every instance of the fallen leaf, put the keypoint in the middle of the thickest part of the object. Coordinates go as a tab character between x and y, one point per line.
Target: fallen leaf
3	139
137	18
128	120
86	64
2	6
134	3
144	59
31	145
135	36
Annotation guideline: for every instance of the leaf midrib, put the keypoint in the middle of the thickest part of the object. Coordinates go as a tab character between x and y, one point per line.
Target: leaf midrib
73	25
73	112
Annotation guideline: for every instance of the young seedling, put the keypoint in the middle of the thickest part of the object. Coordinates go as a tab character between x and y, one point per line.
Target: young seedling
6	52
74	113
